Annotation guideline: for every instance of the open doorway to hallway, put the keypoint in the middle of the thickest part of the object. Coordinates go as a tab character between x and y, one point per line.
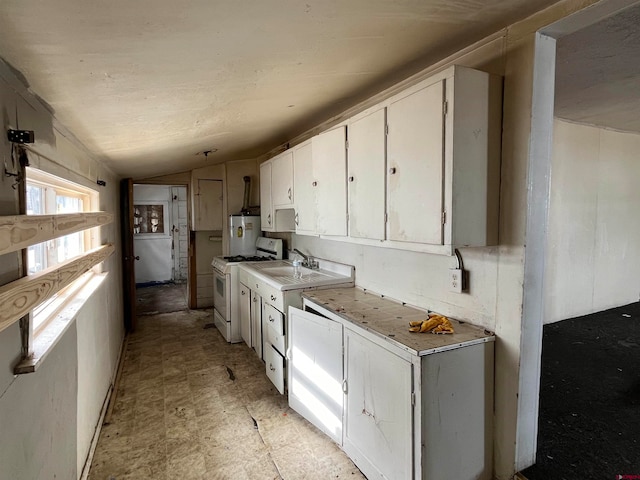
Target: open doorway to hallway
589	382
161	248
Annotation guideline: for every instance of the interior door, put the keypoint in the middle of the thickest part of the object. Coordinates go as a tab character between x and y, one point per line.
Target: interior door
315	370
128	256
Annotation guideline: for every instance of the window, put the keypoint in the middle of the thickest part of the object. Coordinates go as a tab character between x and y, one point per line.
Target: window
47	194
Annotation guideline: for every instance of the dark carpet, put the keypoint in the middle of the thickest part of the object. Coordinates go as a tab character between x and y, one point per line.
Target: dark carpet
589	423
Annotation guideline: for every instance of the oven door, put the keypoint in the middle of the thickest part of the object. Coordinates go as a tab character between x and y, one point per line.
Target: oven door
220	294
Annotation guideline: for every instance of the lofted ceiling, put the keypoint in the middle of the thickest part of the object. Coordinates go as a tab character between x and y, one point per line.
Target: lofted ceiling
148	85
598	73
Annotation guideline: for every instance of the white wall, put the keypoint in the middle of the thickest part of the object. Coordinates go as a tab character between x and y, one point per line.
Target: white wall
47	418
593	255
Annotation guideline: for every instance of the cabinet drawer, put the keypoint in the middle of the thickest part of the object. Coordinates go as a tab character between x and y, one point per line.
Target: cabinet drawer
274	318
274	367
275	339
269	294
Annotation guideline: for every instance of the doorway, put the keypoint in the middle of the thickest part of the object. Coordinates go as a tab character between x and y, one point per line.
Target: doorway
582	232
160	234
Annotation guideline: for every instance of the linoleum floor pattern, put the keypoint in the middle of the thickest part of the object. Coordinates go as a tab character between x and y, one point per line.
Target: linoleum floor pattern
191	406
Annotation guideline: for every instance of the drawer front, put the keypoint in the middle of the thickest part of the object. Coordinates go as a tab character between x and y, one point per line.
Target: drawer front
274	318
275	339
274	367
268	293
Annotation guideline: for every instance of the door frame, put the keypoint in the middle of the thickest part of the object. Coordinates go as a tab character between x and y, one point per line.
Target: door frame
538	181
191	289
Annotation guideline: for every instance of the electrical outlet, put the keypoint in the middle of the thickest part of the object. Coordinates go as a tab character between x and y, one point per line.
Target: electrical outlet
457	280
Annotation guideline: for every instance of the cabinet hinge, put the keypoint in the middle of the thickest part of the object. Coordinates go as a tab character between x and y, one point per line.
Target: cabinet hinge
346	144
386	217
386	129
444	217
413	398
445	107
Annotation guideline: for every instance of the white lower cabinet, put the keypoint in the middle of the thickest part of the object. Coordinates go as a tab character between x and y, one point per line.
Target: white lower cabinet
398	415
378	414
315	371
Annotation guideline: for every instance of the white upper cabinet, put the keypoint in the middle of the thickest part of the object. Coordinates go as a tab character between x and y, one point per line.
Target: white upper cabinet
267	220
415	166
329	154
306	215
442	167
366	175
282	180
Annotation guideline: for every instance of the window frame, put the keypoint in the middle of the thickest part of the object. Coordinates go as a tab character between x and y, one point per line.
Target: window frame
45	313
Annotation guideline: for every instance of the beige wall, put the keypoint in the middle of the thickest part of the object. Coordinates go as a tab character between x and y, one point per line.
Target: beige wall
594	228
47	418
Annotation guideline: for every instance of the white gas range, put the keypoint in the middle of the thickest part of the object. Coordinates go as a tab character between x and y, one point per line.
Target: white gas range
226	308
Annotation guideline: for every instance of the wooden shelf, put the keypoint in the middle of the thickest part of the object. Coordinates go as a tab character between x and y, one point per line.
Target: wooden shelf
21	296
21	231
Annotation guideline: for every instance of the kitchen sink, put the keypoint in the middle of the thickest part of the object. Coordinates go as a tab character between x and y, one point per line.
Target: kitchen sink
279	274
287	271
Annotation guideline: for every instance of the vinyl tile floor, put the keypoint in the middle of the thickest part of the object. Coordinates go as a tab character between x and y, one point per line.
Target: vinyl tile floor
191	406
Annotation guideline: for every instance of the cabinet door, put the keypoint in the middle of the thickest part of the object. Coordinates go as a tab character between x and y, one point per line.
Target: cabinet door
366	176
305	191
256	323
266	205
378	410
208	214
315	370
282	180
330	171
245	314
415	166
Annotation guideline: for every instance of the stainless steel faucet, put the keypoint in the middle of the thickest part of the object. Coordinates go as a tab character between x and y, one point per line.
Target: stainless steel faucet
309	261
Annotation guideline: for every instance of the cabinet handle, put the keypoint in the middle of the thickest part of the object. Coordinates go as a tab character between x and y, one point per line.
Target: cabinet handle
297	219
315	184
257	286
351	179
271	368
273	299
344	386
392	170
289	193
269	219
271	319
242	292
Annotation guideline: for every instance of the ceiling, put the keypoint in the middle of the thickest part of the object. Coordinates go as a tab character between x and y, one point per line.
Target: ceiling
598	73
148	85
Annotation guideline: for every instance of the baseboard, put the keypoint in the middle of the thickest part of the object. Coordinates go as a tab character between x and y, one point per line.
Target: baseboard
519	476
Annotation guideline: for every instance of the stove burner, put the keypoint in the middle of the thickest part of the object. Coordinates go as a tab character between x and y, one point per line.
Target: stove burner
247	258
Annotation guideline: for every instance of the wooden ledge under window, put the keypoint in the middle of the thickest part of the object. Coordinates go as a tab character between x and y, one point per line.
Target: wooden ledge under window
21	296
64	318
21	231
